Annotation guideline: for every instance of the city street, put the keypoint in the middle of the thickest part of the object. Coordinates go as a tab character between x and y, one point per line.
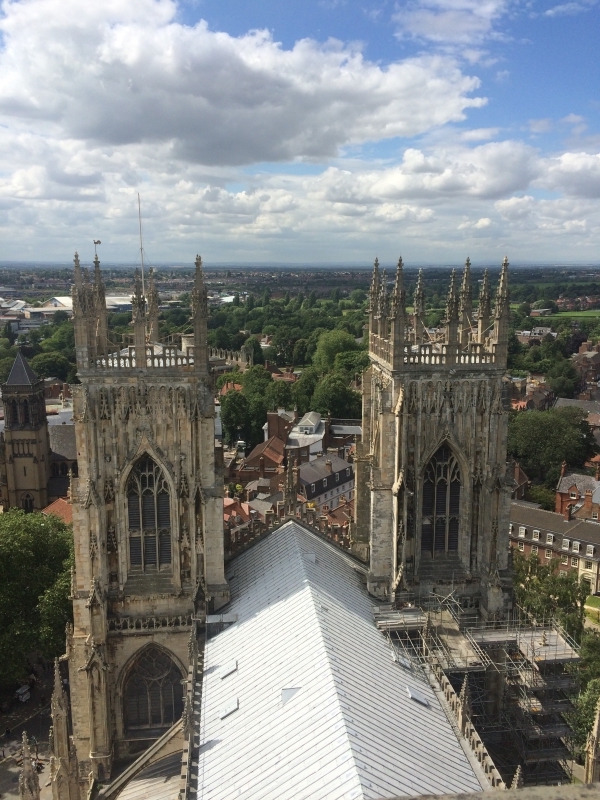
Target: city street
37	727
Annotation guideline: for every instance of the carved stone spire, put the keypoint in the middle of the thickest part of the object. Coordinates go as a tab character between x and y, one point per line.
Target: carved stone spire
29	784
502	297
152	313
452	312
484	312
80	317
466	305
59	708
138	306
502	316
200	316
77	271
100	334
383	306
374	299
517	781
419	310
398	316
464	707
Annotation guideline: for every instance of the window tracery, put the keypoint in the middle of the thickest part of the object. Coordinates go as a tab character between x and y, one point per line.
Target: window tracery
149	513
153	693
441	503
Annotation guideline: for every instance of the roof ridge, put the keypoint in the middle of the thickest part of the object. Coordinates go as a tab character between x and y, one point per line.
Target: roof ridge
21	374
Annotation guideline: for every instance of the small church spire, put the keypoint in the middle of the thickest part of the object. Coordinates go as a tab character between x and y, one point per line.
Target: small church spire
466	305
484	311
419	310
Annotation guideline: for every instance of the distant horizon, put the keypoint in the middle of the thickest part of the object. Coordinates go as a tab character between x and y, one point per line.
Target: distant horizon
303	265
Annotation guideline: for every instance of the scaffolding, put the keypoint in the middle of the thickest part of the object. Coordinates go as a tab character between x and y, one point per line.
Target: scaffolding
521	675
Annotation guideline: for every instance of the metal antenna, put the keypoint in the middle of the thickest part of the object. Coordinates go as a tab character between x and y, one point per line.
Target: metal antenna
96	242
141	244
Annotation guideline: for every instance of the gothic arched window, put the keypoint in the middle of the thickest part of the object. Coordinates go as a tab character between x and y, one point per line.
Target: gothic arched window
14	413
26	415
441	503
148	506
153	692
27	503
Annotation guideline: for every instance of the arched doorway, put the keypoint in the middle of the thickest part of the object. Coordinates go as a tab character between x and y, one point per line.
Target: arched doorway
153	691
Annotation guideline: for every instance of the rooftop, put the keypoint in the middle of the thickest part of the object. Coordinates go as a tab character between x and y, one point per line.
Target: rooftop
318	469
21	373
302	698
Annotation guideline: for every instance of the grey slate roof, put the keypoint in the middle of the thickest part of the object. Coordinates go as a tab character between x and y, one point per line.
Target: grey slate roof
520	514
582	482
62	441
590	406
316	470
21	373
302	699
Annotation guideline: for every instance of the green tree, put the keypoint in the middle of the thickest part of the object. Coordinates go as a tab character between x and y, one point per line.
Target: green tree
279	395
351	363
35	564
253	345
540	494
51	365
582	719
333	396
5	368
330	345
542	440
235	416
546	592
304	388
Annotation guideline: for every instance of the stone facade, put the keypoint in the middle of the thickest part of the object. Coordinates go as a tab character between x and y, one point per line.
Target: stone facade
147	525
25	444
433	494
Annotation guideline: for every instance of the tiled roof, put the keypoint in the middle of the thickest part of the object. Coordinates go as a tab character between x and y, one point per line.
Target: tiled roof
62	441
60	508
273	449
591	406
21	373
316	470
523	514
302	697
582	482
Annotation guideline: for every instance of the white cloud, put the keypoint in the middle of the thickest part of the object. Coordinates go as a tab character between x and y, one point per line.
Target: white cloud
575	174
117	73
450	21
479	134
565	9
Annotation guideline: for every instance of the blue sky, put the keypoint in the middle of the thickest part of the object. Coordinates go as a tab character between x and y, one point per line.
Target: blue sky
323	130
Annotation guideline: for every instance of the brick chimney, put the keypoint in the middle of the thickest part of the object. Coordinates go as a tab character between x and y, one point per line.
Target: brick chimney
261	467
563	469
587	503
568	515
328	466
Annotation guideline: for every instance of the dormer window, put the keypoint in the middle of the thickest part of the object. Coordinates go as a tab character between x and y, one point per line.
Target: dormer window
573	495
536	535
575	547
324	482
589	550
522	532
565	544
549	538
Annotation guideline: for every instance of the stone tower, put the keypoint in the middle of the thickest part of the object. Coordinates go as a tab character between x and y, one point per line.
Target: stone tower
24	446
147	524
433	499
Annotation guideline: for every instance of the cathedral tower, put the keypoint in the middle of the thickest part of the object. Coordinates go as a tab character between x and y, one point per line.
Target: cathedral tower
433	499
24	446
147	523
